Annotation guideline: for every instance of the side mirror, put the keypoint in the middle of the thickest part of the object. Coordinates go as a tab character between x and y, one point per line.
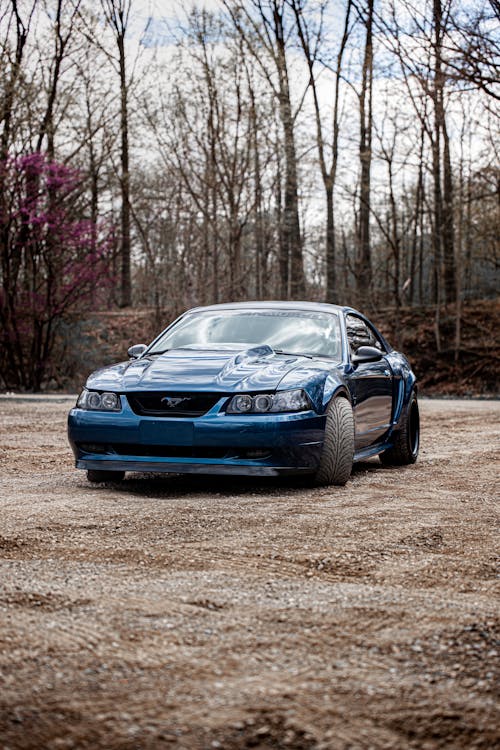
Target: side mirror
367	354
135	351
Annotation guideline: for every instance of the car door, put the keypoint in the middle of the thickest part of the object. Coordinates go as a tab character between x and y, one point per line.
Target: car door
371	386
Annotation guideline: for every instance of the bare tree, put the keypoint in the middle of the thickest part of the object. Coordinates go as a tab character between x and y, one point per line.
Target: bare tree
117	14
263	26
442	171
310	37
12	66
473	46
363	259
63	18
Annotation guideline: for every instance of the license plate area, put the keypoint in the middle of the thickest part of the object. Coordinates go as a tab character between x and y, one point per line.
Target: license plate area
166	432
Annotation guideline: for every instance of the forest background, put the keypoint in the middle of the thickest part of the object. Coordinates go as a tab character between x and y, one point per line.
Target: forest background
156	156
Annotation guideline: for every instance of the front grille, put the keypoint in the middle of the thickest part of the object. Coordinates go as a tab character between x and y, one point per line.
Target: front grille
172	404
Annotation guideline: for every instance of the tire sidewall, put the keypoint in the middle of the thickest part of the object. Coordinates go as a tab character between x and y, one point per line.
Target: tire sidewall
413	428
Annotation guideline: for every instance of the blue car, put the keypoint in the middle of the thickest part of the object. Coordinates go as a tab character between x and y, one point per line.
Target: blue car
254	388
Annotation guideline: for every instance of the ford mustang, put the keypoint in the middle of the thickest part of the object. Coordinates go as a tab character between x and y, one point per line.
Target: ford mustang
254	388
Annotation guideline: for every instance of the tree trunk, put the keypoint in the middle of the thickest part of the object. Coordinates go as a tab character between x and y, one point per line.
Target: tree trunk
292	241
363	261
282	250
9	333
331	280
450	283
126	279
117	15
258	229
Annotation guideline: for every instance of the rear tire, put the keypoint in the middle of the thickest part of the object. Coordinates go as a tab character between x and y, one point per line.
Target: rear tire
406	439
335	464
99	475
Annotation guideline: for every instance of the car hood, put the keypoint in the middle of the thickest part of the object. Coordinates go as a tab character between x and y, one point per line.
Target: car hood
256	369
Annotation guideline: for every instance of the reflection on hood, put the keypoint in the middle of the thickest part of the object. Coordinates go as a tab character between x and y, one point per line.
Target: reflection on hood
255	369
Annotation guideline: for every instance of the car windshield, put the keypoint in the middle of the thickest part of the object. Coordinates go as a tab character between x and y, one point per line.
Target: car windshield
290	332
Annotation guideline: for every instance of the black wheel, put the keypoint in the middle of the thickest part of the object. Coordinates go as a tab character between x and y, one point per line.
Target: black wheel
406	439
98	475
335	465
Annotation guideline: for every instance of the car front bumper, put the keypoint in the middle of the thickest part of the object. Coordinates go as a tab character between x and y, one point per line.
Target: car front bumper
215	443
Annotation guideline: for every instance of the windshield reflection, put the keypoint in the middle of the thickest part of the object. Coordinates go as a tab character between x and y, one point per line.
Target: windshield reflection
313	333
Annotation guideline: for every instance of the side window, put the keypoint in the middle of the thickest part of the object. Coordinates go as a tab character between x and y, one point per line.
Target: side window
360	334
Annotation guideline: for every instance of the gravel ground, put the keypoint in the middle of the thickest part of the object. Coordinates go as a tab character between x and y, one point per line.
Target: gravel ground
201	613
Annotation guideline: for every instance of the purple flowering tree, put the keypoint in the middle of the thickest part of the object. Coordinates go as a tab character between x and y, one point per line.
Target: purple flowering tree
53	263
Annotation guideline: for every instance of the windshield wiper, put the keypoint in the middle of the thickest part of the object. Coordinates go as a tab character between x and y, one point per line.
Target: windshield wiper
293	354
174	349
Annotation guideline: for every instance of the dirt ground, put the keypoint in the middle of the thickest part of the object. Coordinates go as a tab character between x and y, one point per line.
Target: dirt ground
223	613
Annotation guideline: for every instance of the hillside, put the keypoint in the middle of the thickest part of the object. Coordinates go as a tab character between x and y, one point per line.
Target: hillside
472	372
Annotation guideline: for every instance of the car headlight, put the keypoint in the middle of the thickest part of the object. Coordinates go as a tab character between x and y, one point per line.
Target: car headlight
265	403
95	401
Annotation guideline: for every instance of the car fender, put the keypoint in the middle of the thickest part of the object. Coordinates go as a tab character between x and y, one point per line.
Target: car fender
334	387
405	384
319	382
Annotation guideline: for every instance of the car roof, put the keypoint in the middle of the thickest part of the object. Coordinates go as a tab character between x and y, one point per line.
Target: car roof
276	304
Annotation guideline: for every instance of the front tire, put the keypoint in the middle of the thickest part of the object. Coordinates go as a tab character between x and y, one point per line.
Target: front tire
335	464
99	475
406	439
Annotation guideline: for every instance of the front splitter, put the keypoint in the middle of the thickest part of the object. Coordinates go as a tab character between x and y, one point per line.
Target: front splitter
190	468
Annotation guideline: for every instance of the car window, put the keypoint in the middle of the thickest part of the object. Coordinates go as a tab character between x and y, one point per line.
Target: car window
291	331
360	334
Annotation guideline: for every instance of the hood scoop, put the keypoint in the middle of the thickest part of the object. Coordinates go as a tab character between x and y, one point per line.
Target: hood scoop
254	354
255	368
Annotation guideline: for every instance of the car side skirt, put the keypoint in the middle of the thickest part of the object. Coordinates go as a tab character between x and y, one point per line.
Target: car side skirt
371	450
